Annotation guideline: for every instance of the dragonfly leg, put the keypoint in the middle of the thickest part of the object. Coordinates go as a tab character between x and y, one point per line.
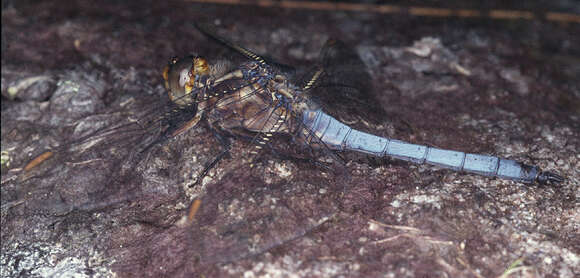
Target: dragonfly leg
225	142
308	158
188	125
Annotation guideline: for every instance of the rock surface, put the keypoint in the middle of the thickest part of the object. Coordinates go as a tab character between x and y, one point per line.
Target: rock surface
507	88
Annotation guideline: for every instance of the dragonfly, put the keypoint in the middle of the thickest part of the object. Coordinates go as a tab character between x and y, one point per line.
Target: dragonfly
271	106
258	99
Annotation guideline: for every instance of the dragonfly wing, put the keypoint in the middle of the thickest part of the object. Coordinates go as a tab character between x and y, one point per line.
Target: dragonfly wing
209	32
344	87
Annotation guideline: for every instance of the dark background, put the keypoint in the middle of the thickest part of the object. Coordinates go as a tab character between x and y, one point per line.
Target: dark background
507	87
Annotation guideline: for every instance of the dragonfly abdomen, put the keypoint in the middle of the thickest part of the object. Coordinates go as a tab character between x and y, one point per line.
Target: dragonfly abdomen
341	137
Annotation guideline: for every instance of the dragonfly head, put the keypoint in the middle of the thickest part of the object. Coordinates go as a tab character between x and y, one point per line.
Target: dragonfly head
182	76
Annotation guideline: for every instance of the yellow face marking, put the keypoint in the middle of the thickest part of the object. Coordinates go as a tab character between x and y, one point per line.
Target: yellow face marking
165	75
200	66
166	69
188	87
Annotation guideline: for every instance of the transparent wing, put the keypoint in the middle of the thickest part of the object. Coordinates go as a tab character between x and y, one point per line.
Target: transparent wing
343	87
245	212
113	148
263	60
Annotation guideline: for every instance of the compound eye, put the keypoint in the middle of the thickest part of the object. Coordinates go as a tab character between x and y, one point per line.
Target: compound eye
179	80
184	77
